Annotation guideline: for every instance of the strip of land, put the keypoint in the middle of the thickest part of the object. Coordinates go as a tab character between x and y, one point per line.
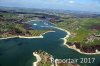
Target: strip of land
38	58
41	36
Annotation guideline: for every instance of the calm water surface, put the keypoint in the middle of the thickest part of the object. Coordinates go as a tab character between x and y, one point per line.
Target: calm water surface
19	51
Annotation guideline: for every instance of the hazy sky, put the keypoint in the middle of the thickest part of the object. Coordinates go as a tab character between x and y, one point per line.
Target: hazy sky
86	5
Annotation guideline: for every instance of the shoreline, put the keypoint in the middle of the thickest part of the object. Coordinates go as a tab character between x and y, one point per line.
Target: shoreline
22	37
39	20
65	39
41	36
78	50
74	47
38	58
30	21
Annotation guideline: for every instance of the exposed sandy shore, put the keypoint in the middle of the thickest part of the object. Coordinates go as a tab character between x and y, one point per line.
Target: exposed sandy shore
41	36
78	50
23	37
68	34
74	47
38	58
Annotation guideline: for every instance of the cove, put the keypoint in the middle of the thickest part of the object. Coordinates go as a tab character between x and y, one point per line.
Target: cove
19	51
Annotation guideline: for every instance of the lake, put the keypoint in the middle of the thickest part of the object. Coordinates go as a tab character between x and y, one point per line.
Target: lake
19	51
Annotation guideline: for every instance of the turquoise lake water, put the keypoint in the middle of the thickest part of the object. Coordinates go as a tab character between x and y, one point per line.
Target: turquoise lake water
19	51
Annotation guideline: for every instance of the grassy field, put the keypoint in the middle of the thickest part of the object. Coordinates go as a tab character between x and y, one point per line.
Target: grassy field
11	25
81	29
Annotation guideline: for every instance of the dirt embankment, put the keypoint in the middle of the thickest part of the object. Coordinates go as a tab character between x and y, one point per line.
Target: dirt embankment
86	49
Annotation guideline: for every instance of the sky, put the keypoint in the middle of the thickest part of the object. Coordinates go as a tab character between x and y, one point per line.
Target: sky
82	5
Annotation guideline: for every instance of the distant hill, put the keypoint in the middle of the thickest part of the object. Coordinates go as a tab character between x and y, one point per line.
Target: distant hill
74	13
